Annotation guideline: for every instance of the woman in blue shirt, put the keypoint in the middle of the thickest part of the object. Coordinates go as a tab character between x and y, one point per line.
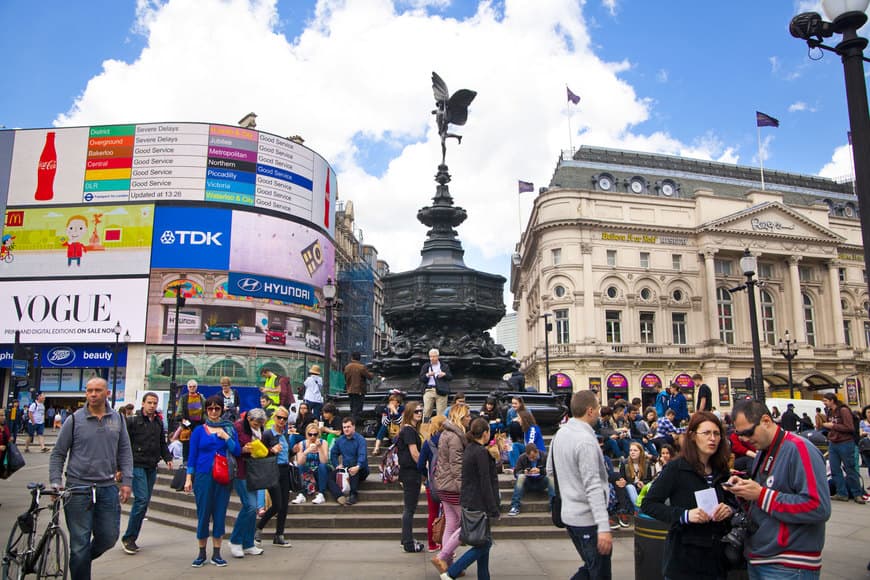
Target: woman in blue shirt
215	437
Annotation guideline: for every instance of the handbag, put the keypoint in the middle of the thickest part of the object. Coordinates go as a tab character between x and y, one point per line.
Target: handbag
220	470
474	528
261	473
178	479
556	500
342	480
295	478
13	460
438	527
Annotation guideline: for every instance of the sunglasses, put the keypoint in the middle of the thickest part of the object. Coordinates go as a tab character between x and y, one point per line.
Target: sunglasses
213	408
313	434
280	418
747	432
418	412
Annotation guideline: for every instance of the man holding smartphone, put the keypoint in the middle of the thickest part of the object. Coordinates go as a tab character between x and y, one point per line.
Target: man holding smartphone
790	506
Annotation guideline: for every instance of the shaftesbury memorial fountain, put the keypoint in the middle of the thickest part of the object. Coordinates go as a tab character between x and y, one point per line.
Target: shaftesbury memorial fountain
443	303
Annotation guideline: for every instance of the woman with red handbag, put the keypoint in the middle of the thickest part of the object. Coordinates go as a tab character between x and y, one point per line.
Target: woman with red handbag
209	477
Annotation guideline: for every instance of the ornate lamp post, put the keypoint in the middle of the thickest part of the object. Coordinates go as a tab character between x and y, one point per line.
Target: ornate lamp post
329	291
749	264
173	385
117	330
547	328
847	16
789	352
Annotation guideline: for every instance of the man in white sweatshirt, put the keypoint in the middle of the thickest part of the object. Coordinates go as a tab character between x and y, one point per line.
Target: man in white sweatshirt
575	460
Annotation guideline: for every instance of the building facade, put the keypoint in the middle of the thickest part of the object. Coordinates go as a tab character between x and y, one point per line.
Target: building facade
636	257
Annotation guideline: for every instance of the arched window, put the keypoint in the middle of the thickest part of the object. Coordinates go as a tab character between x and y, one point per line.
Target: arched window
725	309
226	368
183	369
809	319
768	323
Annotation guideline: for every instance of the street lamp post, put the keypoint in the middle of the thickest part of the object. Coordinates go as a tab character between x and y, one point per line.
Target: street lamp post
547	328
173	385
329	291
117	330
749	264
847	16
789	352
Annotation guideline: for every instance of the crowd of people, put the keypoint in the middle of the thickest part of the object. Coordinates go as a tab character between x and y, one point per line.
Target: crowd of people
607	465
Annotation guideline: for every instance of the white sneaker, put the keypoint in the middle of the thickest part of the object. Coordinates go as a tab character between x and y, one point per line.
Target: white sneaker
236	550
319	499
253	551
299	499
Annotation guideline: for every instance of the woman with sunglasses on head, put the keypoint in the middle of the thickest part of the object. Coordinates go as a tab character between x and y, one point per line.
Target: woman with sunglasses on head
215	437
280	492
409	444
693	548
312	458
251	427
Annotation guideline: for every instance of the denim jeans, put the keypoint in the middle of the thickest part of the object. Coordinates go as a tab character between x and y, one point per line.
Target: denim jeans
321	473
777	572
93	527
479	554
597	566
525	482
844	453
211	505
246	521
143	484
316	408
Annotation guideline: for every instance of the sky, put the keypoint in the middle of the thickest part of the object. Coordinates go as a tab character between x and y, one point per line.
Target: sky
353	78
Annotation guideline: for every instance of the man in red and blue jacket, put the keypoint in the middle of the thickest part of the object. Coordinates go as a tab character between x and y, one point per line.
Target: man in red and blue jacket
788	497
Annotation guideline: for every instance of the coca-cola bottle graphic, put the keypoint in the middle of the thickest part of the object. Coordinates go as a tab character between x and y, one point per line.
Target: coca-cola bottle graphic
46	169
326	202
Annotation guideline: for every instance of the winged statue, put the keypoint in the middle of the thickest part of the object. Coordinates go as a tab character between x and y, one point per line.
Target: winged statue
450	110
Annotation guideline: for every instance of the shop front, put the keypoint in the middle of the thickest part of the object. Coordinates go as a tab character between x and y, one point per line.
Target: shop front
649	388
617	387
687	387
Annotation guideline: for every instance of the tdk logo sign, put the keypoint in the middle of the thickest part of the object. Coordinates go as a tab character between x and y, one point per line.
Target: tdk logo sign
249	285
61	356
191	238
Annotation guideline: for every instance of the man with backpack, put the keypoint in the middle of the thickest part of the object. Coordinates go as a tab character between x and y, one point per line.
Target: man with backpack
842	436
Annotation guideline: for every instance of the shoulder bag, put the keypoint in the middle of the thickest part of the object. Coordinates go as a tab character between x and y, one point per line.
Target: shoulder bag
261	473
474	528
13	460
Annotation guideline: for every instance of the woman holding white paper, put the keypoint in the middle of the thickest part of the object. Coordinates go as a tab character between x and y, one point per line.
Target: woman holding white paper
699	509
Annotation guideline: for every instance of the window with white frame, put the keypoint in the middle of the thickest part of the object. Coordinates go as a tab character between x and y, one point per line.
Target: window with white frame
556	254
562	333
725	308
722	267
765	271
677	262
841	274
806	273
809	319
867	335
768	323
678	323
613	326
611	257
644	259
847	332
647	327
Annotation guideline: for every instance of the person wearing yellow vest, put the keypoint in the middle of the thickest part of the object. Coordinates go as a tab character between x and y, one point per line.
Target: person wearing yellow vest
271	388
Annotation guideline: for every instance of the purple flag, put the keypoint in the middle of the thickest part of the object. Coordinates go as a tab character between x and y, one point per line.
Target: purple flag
526	186
762	120
572	98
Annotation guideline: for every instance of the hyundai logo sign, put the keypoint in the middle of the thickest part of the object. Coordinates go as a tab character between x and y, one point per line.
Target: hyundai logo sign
61	356
249	285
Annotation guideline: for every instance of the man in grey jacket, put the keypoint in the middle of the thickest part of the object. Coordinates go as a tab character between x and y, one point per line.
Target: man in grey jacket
576	459
95	438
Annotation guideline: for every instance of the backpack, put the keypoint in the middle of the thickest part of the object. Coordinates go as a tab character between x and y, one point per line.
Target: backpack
390	465
433	489
856	426
285	398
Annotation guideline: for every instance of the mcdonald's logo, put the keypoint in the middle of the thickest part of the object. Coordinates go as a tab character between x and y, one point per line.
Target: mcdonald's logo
14	219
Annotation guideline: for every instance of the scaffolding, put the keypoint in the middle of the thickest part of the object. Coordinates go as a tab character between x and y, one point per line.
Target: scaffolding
356	288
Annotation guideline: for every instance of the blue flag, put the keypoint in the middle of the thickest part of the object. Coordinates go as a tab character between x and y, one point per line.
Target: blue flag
526	186
762	120
572	98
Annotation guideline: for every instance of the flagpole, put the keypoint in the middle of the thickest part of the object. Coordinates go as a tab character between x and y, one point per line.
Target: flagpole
570	135
760	156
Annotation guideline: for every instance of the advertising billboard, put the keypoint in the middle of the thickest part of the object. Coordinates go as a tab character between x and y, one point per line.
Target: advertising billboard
7	138
76	311
77	241
115	164
192	237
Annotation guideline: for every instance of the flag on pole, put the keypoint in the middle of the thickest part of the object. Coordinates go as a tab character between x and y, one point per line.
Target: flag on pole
526	186
572	98
762	120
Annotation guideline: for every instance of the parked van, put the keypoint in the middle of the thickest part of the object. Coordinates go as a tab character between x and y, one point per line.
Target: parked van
801	406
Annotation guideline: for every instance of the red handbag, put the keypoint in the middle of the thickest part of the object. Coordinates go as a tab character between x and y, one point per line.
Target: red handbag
220	469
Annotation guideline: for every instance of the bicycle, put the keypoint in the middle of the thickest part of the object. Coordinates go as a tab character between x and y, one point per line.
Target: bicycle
27	552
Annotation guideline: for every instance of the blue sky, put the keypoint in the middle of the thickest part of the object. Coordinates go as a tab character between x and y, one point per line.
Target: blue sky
352	77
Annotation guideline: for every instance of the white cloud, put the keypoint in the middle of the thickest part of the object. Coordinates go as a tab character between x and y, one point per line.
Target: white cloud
798	106
610	5
840	164
662	76
363	68
774	64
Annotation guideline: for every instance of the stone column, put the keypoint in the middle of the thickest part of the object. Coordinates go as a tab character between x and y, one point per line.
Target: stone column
712	306
799	326
836	306
589	319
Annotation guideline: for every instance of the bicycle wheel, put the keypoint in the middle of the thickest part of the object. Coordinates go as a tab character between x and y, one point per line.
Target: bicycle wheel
16	547
54	560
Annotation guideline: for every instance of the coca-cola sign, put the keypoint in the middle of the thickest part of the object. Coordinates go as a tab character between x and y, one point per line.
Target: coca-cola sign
73	311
